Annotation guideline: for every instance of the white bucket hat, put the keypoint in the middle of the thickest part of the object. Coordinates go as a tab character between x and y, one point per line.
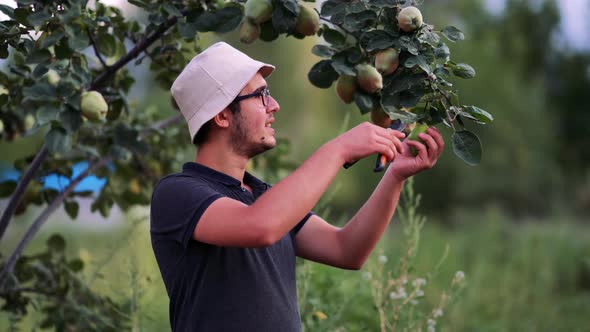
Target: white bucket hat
211	81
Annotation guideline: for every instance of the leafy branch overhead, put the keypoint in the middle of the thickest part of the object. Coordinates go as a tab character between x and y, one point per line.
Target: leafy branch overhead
392	64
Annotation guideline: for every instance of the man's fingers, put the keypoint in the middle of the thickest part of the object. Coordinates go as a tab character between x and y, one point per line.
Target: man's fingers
422	153
429	140
396	136
437	138
387	148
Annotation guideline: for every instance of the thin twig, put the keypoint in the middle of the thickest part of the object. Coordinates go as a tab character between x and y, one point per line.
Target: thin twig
95	47
20	189
141	45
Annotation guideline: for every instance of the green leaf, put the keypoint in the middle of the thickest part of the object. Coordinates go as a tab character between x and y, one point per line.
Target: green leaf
390	106
401	82
38	18
106	44
291	5
467	146
478	114
268	32
8	11
419	60
4	51
7	188
41	91
463	70
139	3
442	51
322	74
322	51
21	14
429	37
171	9
332	36
72	208
386	3
56	243
331	7
39	71
52	39
453	34
364	102
409	44
376	40
47	113
186	30
38	56
63	50
71	120
341	65
78	38
360	21
283	19
229	18
58	140
76	265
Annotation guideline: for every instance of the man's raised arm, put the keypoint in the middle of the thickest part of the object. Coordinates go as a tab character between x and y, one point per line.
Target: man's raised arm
227	222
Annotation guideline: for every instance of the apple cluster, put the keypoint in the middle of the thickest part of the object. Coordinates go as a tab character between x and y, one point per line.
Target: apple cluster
257	12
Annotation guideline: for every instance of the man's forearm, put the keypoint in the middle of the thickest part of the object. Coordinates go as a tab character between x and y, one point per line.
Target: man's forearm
360	235
288	201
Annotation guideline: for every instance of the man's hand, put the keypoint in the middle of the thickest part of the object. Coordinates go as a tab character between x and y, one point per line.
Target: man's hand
406	165
367	139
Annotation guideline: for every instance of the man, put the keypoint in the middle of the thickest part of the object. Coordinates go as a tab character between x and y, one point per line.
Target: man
224	240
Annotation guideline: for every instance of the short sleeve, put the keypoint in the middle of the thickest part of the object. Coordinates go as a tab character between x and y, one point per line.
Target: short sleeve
176	207
299	225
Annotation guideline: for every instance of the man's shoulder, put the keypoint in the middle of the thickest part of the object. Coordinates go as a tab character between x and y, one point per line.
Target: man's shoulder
177	183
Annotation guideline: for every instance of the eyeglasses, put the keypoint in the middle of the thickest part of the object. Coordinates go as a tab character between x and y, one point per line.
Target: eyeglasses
264	93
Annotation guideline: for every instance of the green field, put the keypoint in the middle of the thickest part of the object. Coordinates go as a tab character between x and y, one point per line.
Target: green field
520	275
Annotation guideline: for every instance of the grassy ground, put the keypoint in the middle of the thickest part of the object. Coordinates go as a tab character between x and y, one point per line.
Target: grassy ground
525	275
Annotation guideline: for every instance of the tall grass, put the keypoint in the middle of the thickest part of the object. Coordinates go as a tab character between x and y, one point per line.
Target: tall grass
521	275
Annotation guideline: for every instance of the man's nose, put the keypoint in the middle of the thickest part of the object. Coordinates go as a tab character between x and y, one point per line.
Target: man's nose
273	105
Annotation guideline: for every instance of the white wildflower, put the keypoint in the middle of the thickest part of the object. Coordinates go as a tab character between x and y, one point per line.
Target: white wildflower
431	322
459	276
419	293
418	282
431	328
367	275
413	302
382	259
404	280
400	294
437	313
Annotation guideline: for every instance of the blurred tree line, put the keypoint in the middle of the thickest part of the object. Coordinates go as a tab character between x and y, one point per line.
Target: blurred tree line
537	156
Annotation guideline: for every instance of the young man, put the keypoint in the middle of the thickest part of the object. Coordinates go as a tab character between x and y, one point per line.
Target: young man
225	241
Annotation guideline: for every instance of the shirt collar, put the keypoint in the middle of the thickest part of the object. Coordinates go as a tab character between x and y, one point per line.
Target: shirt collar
202	170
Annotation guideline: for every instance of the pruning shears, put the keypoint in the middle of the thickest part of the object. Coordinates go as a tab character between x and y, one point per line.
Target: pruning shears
382	159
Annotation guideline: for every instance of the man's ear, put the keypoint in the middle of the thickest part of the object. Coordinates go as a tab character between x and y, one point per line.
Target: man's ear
222	119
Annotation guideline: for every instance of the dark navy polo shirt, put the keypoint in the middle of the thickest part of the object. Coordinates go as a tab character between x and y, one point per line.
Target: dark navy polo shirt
214	288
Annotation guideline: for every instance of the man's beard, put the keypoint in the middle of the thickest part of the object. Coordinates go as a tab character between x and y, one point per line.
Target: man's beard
240	143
